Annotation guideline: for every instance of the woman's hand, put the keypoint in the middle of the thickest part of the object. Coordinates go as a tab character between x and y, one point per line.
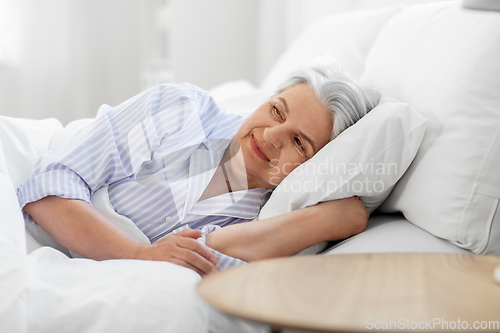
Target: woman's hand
343	217
181	249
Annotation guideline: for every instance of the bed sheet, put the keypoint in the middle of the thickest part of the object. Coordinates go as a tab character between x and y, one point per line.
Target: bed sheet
394	233
12	257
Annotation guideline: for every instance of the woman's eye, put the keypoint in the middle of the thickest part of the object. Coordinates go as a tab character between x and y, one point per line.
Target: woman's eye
299	143
278	112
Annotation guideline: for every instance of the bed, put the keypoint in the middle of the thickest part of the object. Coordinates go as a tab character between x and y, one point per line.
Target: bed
439	58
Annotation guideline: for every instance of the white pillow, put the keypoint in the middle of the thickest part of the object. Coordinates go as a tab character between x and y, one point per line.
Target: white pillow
347	37
444	60
24	140
365	160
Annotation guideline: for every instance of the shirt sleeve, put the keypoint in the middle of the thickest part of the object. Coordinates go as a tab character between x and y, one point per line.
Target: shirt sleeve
223	260
117	143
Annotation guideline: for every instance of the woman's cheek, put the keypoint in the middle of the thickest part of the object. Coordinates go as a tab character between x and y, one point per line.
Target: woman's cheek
275	173
289	167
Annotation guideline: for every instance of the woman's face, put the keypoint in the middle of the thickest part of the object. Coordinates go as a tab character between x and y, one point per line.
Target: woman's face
281	134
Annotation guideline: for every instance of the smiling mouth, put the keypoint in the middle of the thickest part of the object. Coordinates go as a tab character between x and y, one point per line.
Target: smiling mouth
258	150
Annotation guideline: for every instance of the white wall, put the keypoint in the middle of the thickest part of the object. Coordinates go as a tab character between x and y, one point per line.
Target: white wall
213	41
219	40
64	58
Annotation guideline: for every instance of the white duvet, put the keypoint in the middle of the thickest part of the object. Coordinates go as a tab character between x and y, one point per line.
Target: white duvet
46	291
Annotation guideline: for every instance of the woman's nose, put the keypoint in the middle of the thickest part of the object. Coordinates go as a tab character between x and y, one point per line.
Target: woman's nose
274	136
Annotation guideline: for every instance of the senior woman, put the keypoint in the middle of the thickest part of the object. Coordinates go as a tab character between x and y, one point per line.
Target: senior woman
173	160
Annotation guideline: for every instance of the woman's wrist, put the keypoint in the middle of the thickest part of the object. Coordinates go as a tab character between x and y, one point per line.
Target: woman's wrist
142	252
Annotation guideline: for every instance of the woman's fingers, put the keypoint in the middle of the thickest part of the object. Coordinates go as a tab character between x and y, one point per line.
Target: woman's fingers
184	249
187	265
195	260
191	233
197	247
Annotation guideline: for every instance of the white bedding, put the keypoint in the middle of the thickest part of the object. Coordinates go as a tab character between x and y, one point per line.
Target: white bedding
12	257
393	233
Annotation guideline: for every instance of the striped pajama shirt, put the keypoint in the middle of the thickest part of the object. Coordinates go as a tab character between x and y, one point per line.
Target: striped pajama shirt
156	152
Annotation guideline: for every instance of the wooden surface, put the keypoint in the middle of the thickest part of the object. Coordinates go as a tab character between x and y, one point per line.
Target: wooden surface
356	292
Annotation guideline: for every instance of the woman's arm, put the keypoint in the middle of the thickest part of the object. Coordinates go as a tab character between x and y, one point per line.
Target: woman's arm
290	233
81	228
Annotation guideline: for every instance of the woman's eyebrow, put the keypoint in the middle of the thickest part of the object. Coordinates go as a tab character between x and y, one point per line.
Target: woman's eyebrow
284	103
301	133
310	141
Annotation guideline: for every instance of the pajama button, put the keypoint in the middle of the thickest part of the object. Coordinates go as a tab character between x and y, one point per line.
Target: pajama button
168	219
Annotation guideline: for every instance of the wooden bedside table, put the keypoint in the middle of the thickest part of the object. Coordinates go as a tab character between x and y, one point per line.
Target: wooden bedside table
362	292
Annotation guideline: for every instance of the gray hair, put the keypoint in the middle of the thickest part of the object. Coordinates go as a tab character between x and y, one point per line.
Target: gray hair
347	98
